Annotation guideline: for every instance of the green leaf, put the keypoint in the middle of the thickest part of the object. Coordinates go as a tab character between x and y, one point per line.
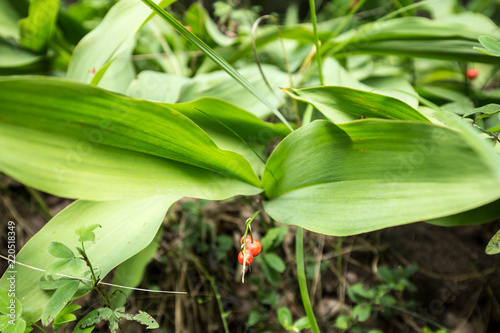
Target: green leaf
275	262
361	312
493	246
13	55
59	300
274	237
212	55
109	39
131	271
92	319
145	319
233	128
285	317
492	46
60	250
484	214
372	174
8	21
86	233
69	139
487	111
302	323
37	28
165	87
343	322
412	37
127	225
9	304
49	283
342	104
57	266
18	327
271	275
65	316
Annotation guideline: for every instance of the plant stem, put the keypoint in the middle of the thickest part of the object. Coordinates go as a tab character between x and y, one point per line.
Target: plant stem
312	7
301	273
339	269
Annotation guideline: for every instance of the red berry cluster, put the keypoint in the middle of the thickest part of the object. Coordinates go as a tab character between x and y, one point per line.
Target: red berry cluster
253	248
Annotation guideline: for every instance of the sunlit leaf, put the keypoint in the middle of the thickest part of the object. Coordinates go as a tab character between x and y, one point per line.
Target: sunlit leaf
69	139
373	174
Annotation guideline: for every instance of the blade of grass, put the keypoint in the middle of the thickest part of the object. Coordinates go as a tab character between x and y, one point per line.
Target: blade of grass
214	57
316	38
301	273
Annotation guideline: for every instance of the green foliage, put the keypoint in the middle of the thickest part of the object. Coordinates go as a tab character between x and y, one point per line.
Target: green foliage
285	319
491	46
127	134
378	299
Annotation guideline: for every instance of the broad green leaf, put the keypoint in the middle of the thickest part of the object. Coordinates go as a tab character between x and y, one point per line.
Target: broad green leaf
8	20
60	250
484	214
58	301
65	316
13	55
9	304
57	267
18	327
215	57
69	139
342	104
233	128
491	46
49	283
131	272
164	87
493	246
37	28
109	39
335	75
372	174
127	225
413	37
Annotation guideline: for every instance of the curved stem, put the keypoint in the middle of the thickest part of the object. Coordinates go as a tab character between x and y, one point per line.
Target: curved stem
301	272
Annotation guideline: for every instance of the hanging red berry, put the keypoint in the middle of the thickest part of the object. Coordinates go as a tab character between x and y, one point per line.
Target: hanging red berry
472	73
254	247
242	239
249	258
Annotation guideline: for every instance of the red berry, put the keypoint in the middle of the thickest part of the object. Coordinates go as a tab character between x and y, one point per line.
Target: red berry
189	28
249	257
254	247
249	239
472	73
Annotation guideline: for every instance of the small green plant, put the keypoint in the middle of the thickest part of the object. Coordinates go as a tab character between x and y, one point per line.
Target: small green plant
65	288
376	300
286	320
